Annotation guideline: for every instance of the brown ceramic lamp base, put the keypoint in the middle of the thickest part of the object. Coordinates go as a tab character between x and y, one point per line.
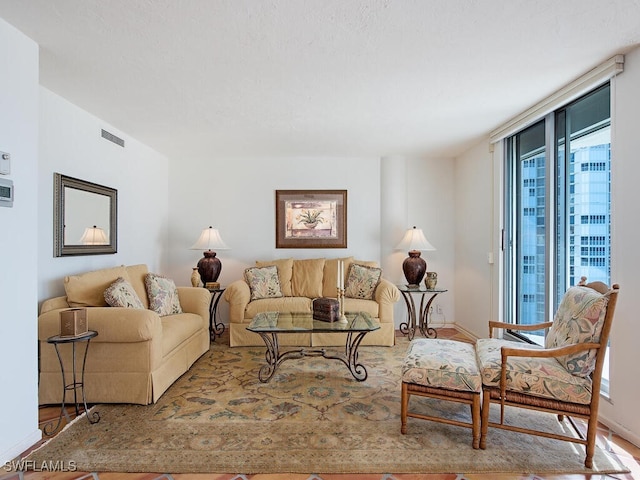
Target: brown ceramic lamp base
209	267
414	268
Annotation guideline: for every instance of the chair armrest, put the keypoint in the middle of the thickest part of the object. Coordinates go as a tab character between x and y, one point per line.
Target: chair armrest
546	352
238	296
195	300
512	326
113	324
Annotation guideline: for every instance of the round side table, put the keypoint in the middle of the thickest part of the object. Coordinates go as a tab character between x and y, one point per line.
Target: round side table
418	318
75	385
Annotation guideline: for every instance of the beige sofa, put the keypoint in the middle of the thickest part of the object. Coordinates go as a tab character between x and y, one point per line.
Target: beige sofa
137	354
301	281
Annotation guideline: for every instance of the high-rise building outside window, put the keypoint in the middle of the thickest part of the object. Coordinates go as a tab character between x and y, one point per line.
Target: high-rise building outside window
558	224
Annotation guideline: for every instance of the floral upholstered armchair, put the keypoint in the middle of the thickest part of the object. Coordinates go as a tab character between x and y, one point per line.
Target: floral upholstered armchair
563	377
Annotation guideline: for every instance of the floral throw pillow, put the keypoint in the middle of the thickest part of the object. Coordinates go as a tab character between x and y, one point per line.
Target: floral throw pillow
579	319
362	281
121	294
163	294
263	282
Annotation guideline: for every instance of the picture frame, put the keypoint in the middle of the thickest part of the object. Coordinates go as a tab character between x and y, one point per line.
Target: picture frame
311	219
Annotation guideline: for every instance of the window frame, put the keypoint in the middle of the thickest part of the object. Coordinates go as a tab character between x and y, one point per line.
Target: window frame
557	214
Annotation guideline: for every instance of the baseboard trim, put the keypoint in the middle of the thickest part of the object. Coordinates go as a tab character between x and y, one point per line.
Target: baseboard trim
450	325
462	330
621	430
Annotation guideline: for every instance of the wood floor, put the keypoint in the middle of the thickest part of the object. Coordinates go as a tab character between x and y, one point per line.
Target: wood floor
628	453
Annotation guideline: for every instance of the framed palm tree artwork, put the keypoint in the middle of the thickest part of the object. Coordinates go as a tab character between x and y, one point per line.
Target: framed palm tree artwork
311	219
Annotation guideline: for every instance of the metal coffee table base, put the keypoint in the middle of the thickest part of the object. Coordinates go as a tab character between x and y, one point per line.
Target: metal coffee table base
274	358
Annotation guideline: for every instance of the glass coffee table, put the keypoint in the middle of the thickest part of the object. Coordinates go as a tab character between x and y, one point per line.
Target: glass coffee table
269	325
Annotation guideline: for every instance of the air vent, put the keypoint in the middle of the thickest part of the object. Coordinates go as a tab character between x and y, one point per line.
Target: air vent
112	138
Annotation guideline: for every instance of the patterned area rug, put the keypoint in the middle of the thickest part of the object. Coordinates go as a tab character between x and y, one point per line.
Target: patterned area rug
311	417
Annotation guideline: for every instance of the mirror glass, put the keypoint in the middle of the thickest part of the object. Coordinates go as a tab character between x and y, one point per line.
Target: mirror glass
85	217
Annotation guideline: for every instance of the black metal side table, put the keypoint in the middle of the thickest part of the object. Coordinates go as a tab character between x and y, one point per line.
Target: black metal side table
75	385
215	328
421	317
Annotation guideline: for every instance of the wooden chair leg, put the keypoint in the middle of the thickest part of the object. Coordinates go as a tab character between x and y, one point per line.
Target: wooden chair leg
404	404
591	442
486	403
476	422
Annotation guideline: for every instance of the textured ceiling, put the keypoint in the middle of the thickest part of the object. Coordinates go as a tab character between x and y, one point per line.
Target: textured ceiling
222	78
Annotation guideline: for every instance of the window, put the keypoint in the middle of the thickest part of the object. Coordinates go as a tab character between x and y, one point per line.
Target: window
562	232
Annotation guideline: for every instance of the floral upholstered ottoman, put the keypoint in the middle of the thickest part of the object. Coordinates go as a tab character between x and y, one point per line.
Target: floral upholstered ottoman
445	370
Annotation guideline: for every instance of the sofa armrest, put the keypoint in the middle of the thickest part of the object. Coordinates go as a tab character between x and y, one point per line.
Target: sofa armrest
195	300
113	324
238	296
386	295
55	303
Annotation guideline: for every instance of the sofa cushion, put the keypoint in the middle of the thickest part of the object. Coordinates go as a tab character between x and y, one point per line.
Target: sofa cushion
136	278
330	275
87	289
437	363
362	281
121	294
579	319
541	377
307	277
359	305
285	270
263	282
282	304
163	294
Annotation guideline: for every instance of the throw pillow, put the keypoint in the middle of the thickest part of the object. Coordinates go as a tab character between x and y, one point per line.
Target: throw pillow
579	319
163	294
121	294
285	268
362	281
263	282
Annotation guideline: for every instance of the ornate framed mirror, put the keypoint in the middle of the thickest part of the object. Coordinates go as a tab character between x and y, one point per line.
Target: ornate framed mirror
85	217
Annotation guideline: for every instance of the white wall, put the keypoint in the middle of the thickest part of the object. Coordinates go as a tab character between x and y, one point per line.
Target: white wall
431	206
621	412
71	144
238	197
474	234
477	231
18	244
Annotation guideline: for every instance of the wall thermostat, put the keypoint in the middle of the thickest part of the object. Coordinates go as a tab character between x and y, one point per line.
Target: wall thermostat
6	193
5	163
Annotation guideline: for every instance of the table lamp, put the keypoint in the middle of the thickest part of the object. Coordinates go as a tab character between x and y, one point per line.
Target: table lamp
414	266
209	267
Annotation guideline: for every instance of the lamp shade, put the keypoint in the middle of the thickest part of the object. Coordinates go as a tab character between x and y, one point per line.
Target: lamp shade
414	267
414	239
209	239
209	267
94	236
